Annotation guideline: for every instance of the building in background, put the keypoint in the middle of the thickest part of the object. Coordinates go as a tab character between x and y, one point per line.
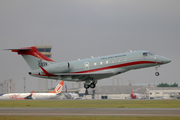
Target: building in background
162	92
117	81
78	85
7	86
46	50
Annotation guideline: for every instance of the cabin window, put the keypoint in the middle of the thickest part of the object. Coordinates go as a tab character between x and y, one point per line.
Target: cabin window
119	60
112	61
101	63
106	62
95	64
124	59
87	64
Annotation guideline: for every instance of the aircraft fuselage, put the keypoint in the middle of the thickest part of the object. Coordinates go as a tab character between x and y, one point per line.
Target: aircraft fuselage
112	64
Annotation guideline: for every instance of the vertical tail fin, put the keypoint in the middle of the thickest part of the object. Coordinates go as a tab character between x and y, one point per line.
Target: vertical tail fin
66	88
33	57
58	88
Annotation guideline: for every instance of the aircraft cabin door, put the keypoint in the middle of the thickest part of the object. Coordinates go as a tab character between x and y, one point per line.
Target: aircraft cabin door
86	65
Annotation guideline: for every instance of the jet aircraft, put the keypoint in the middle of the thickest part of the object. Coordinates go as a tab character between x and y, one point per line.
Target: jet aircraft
70	95
19	96
50	95
134	95
88	70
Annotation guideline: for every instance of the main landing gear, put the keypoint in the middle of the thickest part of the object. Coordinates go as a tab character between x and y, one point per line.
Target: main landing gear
157	73
91	84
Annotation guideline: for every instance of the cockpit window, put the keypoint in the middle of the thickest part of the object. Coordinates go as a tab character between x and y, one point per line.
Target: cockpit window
147	54
151	53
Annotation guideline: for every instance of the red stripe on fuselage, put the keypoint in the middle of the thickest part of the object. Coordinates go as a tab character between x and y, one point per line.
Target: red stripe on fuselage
119	65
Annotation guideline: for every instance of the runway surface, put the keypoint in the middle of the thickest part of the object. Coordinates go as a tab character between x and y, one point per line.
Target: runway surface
89	111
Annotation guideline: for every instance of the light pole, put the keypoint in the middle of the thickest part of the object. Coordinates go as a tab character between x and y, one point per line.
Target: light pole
51	84
10	84
24	84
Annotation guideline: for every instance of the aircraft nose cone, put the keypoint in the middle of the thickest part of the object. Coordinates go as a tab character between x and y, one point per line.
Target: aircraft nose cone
163	60
166	60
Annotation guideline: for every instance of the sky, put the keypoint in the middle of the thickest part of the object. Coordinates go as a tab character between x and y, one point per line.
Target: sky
84	28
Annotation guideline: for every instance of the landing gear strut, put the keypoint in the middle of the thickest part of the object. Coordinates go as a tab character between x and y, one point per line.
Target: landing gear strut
157	73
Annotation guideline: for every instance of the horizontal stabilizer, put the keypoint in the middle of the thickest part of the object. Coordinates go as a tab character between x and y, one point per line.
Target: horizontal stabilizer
16	50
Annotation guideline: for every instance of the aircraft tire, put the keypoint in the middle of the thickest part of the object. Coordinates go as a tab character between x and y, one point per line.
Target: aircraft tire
92	85
86	86
157	73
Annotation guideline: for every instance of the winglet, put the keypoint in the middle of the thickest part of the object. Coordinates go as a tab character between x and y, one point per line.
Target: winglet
58	88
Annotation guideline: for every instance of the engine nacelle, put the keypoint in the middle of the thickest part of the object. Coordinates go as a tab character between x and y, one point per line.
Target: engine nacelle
58	68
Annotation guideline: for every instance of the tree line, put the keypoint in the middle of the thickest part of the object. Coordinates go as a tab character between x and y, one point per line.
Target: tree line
167	85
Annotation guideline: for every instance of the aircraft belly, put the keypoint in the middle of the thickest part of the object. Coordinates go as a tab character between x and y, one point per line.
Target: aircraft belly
97	77
44	96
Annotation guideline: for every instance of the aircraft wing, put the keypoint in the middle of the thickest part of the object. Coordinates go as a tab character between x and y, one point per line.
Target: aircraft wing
85	76
29	96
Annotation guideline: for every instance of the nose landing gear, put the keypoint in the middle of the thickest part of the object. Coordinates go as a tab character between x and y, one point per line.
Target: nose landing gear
157	73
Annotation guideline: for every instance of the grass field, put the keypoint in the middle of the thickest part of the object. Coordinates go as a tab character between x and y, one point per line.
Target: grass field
90	103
